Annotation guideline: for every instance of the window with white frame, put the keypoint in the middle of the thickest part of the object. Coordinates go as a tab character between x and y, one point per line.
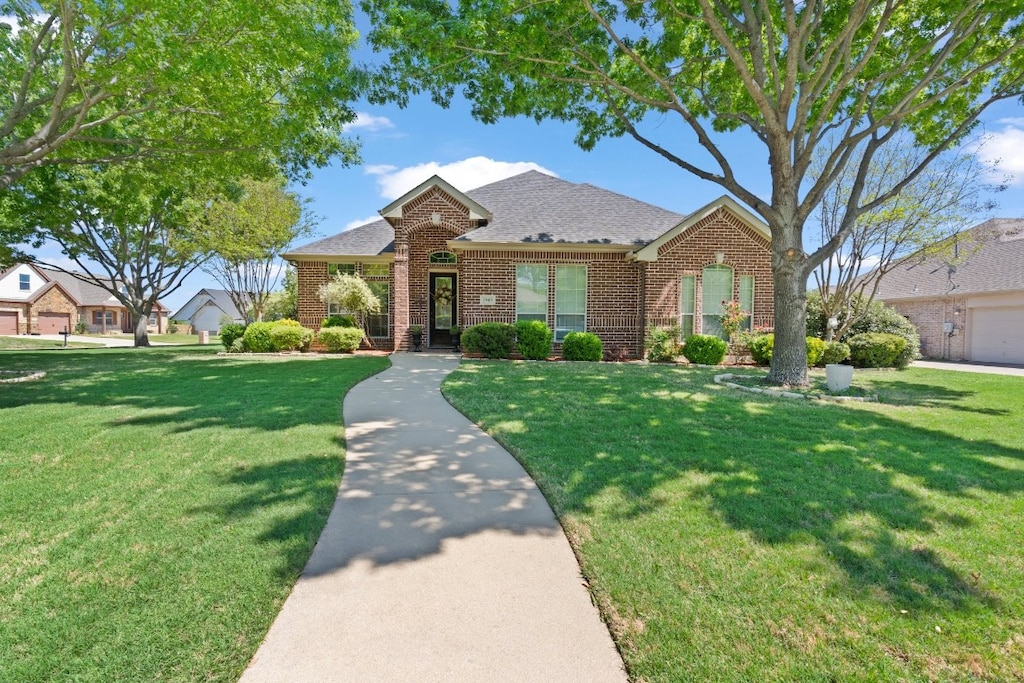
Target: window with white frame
532	292
687	304
570	300
746	299
108	318
716	288
24	282
378	324
375	270
344	268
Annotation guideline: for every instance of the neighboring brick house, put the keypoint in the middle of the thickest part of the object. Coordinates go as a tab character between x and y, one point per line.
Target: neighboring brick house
35	300
973	310
537	247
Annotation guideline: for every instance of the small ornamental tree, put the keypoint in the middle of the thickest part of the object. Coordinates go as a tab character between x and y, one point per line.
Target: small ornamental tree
352	294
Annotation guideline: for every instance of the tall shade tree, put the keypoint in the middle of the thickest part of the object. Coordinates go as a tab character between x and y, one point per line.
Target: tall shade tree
247	234
921	221
104	81
130	229
798	76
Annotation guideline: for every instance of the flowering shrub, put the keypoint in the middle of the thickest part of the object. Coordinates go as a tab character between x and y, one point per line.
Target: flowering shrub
732	318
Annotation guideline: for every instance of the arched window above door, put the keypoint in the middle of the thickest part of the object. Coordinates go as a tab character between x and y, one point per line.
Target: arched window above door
443	258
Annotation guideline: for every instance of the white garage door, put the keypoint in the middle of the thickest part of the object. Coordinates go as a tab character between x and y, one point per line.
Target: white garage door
997	335
8	322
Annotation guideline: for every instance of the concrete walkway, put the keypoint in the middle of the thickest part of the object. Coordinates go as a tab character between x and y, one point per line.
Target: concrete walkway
440	561
1017	370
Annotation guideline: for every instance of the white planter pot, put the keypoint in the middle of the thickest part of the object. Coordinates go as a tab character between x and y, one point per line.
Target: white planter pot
838	376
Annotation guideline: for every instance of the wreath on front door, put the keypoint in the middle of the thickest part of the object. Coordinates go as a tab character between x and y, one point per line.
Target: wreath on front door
443	294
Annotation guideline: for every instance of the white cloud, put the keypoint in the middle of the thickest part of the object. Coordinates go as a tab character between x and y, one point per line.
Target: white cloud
369	122
361	221
1005	148
466	174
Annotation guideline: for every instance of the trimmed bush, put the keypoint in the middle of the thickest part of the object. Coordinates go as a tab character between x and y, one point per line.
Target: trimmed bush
492	340
229	333
761	348
257	337
877	318
876	349
582	346
341	339
835	352
290	337
339	321
534	339
815	350
704	349
662	344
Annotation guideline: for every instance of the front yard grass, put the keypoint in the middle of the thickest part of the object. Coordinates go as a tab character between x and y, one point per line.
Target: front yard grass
157	506
24	343
728	536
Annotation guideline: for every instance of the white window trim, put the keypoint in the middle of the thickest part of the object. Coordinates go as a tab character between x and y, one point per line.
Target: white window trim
547	289
586	296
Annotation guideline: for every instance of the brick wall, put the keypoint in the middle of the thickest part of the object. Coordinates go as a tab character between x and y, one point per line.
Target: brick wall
613	286
745	251
312	311
928	315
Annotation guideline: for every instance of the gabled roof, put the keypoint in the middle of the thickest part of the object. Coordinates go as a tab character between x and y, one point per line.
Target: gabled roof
394	209
649	252
992	256
82	292
530	208
218	297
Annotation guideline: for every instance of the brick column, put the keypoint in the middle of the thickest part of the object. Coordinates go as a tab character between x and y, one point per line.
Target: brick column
401	295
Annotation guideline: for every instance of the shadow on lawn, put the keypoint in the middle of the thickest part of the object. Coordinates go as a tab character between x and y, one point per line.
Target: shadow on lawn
782	471
192	391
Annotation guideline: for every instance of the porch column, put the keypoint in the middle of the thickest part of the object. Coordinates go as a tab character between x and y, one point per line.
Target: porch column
401	313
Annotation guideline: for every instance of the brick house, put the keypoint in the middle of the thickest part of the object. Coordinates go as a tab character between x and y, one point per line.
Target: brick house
36	300
537	247
973	310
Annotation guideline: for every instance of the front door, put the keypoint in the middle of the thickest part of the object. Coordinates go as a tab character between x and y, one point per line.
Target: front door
442	308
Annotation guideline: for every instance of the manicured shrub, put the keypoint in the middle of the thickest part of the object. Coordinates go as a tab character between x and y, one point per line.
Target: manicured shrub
533	339
340	321
288	322
257	337
815	350
492	340
238	346
582	346
877	318
876	349
704	349
229	333
761	348
290	337
341	339
835	352
662	344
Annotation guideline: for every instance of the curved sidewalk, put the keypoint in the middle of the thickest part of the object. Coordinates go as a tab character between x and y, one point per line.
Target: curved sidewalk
440	561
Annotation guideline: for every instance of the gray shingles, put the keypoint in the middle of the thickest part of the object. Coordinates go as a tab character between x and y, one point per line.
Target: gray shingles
993	262
529	208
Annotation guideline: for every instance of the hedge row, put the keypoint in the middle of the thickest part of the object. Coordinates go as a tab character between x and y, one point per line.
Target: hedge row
532	339
288	335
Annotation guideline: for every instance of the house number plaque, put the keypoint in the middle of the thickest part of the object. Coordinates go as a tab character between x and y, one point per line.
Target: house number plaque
488	299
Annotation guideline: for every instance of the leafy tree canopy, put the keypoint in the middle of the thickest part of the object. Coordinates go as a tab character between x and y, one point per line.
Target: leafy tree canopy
844	77
105	81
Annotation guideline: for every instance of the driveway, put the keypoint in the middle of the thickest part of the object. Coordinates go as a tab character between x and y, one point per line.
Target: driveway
1017	370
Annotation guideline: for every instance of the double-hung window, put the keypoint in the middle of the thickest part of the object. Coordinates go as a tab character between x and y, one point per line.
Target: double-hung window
532	292
570	300
24	282
377	323
716	284
687	304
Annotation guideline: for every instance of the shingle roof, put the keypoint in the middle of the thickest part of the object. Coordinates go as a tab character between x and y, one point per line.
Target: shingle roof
84	293
993	261
220	298
529	208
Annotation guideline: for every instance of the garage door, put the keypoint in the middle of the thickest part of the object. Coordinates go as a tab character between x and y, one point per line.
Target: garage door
997	335
8	322
53	323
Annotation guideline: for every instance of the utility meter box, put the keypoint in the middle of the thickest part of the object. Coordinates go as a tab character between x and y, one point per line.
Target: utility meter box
947	328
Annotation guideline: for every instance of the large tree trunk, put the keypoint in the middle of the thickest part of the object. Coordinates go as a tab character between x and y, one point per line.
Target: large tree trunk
789	355
141	329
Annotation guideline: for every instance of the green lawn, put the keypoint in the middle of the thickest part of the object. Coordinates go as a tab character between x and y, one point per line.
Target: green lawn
157	505
732	537
22	343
